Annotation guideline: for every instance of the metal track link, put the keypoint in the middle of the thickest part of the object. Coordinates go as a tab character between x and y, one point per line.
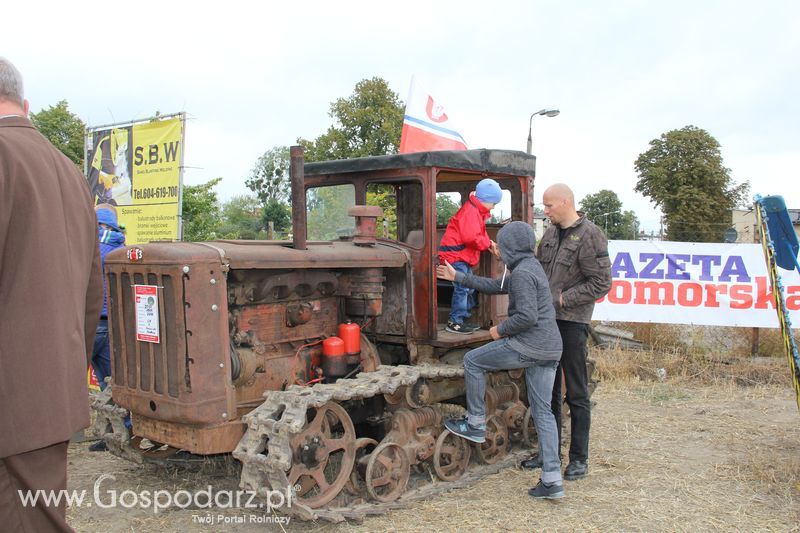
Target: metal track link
362	510
266	455
109	425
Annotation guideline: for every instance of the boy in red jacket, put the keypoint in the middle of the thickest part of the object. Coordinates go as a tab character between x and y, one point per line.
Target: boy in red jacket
463	241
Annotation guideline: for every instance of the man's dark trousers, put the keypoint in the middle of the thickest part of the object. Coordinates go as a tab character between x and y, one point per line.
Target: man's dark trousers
573	365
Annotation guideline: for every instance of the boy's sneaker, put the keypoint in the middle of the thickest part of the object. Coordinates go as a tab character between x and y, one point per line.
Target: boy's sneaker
464	329
462	428
547	491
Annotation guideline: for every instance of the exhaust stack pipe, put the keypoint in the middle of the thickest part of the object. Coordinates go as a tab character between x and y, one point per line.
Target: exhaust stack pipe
298	198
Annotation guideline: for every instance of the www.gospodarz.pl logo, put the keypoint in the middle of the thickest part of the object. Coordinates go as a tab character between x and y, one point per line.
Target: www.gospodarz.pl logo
157	500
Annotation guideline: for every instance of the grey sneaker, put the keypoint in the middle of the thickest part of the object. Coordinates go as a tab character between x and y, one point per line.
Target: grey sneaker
462	428
547	491
464	329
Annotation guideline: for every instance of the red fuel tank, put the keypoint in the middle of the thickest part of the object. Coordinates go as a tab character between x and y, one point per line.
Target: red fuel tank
334	363
351	335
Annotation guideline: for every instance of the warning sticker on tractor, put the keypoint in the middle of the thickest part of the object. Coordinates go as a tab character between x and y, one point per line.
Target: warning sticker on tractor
147	320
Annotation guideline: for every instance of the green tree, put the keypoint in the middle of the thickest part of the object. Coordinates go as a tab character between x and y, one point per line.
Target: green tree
628	229
279	214
384	196
605	209
683	174
366	123
327	212
62	128
270	178
445	209
241	218
201	211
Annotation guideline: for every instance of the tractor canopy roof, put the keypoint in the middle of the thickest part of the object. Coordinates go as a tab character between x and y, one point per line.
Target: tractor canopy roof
510	162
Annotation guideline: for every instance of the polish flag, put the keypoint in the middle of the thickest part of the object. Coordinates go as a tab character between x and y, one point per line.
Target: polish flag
426	126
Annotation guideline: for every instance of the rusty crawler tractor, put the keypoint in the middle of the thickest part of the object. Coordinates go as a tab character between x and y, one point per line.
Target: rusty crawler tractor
321	364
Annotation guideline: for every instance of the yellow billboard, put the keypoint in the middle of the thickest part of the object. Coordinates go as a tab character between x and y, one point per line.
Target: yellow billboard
137	167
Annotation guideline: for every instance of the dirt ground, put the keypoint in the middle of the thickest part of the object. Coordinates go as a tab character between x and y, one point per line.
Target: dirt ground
673	455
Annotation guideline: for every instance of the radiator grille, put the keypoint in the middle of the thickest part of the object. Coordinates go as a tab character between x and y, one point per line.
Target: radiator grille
146	366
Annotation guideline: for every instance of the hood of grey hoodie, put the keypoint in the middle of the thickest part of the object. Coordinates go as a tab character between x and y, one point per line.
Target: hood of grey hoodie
528	295
516	241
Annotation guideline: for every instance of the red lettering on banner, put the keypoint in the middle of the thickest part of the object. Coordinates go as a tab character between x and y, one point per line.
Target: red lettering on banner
793	298
692	294
683	294
765	299
741	297
711	294
614	295
654	288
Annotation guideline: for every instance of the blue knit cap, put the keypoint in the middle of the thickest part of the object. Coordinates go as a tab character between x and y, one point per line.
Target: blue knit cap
488	191
107	217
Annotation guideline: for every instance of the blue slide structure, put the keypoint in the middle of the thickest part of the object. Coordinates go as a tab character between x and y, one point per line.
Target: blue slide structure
780	250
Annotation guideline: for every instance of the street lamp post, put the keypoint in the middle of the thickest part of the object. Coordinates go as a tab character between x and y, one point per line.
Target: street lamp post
545	112
606	219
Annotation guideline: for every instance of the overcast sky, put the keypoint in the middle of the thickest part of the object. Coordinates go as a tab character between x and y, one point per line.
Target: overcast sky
255	75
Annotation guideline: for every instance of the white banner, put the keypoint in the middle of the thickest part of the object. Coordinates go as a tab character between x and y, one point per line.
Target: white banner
694	283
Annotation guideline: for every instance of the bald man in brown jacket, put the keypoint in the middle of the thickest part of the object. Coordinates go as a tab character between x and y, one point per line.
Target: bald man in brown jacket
51	292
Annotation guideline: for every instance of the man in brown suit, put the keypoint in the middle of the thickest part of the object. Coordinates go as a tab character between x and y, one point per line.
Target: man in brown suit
51	292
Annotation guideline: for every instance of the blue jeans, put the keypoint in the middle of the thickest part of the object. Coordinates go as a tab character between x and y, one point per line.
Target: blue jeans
463	297
539	378
101	355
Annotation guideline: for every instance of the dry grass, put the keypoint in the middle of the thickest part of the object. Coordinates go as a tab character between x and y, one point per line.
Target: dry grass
706	355
715	445
710	340
616	365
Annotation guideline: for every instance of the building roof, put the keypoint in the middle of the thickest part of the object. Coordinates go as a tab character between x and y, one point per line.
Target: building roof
794	214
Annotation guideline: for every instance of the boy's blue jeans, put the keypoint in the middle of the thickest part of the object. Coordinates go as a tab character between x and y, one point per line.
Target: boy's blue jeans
463	297
101	357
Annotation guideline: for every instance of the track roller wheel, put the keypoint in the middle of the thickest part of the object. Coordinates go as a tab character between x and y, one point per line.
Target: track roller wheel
387	473
355	484
450	456
529	436
496	445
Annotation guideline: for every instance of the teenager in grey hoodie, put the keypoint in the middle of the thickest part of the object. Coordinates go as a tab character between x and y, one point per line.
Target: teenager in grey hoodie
528	338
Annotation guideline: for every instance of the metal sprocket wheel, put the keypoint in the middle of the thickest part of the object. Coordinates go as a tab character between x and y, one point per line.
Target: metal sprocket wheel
323	454
529	436
496	445
450	456
387	473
